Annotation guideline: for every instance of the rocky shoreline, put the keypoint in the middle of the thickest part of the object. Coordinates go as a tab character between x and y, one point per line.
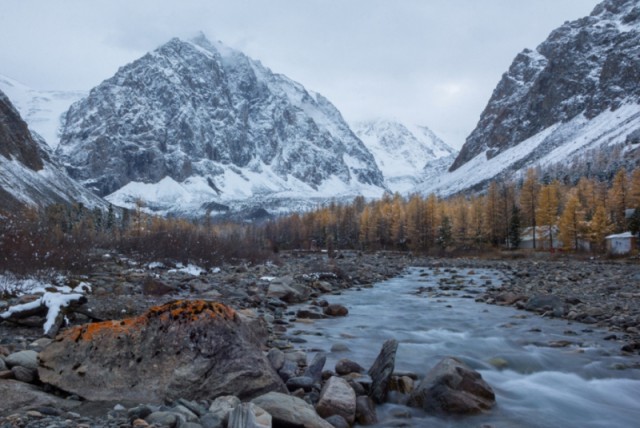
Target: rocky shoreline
597	292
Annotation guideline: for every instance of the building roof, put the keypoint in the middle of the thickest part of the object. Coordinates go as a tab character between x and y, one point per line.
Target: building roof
624	235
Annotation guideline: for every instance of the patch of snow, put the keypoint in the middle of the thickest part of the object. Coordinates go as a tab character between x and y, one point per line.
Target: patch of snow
155	265
190	269
267	278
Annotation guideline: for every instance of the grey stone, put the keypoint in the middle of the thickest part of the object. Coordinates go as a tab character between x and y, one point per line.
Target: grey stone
366	411
337	421
223	406
452	387
164	419
139	412
346	366
545	303
24	374
288	370
276	358
209	420
337	398
298	382
18	395
28	359
381	371
290	411
336	310
188	414
314	370
248	415
196	408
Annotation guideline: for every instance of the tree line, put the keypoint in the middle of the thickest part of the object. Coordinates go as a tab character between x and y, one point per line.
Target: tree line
580	216
68	237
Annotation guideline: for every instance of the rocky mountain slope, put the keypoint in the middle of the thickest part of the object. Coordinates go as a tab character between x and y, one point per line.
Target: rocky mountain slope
403	152
28	175
576	91
195	124
41	109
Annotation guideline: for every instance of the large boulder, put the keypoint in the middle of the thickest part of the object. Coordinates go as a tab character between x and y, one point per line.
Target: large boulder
191	349
452	387
290	411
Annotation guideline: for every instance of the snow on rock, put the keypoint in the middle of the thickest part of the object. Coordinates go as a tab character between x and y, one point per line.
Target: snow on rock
189	269
195	126
583	69
53	299
403	152
559	142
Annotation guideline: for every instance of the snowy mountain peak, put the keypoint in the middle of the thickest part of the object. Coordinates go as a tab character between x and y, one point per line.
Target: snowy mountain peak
587	66
198	112
576	94
402	151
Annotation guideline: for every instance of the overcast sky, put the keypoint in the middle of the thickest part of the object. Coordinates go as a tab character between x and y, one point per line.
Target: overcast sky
427	62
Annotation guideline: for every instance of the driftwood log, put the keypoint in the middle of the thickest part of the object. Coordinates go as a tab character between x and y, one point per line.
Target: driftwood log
52	309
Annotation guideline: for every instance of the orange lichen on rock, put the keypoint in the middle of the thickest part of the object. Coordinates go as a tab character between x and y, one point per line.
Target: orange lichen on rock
192	310
176	311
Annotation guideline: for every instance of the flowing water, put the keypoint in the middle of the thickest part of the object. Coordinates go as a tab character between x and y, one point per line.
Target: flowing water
545	372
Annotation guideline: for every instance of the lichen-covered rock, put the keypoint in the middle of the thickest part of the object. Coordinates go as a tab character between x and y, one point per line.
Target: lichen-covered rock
452	387
188	349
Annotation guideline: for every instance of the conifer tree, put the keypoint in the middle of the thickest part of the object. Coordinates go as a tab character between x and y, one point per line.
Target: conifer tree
514	227
599	227
571	223
547	211
529	201
618	195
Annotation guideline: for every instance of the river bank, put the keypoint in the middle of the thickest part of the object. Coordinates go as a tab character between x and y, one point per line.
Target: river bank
601	293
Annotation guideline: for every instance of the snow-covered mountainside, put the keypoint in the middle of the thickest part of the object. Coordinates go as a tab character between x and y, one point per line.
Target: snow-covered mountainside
195	124
578	90
28	176
42	110
404	152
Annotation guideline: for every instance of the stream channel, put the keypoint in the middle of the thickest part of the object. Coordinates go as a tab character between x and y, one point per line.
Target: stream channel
544	372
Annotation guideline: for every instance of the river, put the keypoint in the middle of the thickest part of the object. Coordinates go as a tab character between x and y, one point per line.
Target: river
545	372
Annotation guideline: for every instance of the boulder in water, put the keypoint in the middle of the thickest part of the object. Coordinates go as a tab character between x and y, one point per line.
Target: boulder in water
452	387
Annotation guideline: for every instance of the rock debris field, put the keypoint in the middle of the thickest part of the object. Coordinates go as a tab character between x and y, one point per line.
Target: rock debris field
168	345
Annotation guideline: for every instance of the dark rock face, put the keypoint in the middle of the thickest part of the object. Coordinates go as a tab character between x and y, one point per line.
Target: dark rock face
28	176
197	109
585	66
452	387
183	349
16	141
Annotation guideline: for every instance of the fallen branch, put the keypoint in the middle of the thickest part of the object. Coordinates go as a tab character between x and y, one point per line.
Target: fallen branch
54	306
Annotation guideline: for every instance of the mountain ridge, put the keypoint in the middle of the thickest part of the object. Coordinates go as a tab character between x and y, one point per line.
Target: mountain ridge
585	67
212	119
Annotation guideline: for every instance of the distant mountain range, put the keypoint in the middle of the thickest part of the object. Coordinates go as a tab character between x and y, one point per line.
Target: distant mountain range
404	153
194	123
195	126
